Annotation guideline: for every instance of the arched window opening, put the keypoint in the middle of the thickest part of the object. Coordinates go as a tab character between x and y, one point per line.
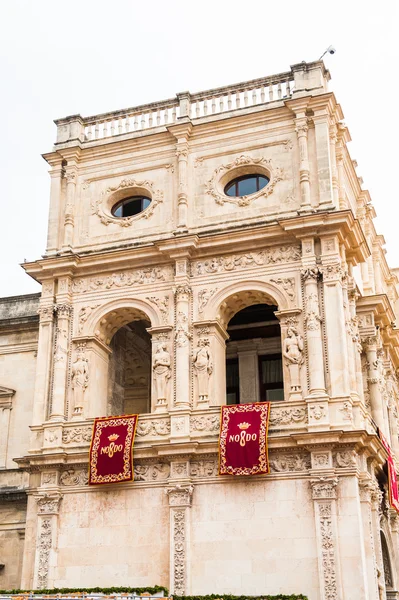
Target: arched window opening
386	563
129	371
254	368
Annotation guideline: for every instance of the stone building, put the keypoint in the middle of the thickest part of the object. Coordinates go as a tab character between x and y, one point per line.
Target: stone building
213	248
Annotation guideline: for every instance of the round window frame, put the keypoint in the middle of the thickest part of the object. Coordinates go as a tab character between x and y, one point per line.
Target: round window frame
242	177
243	165
115	205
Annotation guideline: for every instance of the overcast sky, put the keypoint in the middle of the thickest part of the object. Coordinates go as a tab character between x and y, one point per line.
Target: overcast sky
91	56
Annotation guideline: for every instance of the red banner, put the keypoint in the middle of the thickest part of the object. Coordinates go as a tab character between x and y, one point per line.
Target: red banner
111	450
392	479
243	439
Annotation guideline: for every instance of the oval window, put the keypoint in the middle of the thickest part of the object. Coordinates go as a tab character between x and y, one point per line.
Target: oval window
246	185
128	207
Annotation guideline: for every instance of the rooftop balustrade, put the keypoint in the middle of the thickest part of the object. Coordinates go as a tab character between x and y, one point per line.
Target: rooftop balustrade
304	78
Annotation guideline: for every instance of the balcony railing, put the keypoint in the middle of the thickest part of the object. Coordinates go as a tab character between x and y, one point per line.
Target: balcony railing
301	78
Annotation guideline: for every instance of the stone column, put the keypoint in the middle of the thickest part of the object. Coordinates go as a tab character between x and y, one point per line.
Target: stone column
180	497
324	496
335	328
249	374
161	342
53	232
304	169
69	209
46	545
182	345
44	355
323	156
356	343
60	363
182	201
370	345
334	170
5	414
342	201
350	334
217	336
317	385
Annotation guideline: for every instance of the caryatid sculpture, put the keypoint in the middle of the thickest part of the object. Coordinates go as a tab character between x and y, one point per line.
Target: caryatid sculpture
161	368
79	380
293	352
202	362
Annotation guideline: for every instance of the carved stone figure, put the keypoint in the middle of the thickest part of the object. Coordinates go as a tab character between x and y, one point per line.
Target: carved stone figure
161	370
293	352
79	380
202	362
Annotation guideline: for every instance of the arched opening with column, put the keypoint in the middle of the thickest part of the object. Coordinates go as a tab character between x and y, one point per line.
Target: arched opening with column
255	370
119	351
387	565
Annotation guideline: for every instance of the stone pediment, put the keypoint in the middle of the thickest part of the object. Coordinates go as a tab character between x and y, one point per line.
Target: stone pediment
5	397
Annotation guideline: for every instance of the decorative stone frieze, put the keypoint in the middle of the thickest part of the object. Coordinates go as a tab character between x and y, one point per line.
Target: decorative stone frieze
235	262
76	435
154	427
204	468
162	304
72	477
288	416
205	423
147	276
289	462
153	472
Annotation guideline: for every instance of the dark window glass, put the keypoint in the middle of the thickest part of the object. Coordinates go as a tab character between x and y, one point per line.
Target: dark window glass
271	377
131	206
246	185
232	382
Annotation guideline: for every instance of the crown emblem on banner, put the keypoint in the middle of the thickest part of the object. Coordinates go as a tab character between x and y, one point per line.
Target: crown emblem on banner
113	437
244	425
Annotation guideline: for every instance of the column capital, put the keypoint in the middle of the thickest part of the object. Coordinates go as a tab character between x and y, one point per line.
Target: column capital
324	488
180	495
48	504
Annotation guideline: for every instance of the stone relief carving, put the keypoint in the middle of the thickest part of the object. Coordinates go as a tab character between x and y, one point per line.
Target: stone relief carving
328	552
180	495
61	345
122	279
79	379
63	310
204	468
203	367
49	478
233	262
321	460
293	352
317	412
45	541
51	436
99	207
162	372
346	411
216	191
344	459
162	304
179	469
46	313
77	435
324	488
204	296
70	477
179	556
206	423
182	335
153	428
48	504
84	314
312	315
288	285
288	416
158	472
284	463
333	272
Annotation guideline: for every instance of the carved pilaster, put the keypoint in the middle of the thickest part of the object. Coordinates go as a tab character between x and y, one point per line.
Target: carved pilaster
179	502
60	360
44	350
47	509
371	346
69	208
182	344
304	169
324	495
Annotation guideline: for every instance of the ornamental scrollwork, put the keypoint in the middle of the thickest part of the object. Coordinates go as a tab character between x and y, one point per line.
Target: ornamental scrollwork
206	423
214	186
288	285
102	210
48	505
288	416
157	472
45	543
77	435
122	279
233	262
285	463
162	304
323	488
70	477
153	428
180	495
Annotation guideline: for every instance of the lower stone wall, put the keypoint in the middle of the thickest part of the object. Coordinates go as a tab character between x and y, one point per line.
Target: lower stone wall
249	535
12	533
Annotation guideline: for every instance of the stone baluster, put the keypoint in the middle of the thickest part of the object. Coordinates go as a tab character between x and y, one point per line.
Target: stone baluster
182	345
304	168
324	494
370	345
69	209
180	497
60	361
46	544
317	385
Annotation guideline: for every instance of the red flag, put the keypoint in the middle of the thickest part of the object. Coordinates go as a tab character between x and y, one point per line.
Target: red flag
392	479
111	450
243	439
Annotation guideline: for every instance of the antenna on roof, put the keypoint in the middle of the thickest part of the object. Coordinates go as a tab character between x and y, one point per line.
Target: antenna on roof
330	50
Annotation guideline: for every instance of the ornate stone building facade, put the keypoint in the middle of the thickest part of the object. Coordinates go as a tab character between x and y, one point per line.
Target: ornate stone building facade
212	248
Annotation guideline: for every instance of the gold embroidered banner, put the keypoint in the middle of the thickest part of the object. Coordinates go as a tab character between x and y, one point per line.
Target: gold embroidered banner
392	479
243	439
111	450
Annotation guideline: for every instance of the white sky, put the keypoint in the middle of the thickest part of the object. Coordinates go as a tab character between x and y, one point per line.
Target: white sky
91	56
